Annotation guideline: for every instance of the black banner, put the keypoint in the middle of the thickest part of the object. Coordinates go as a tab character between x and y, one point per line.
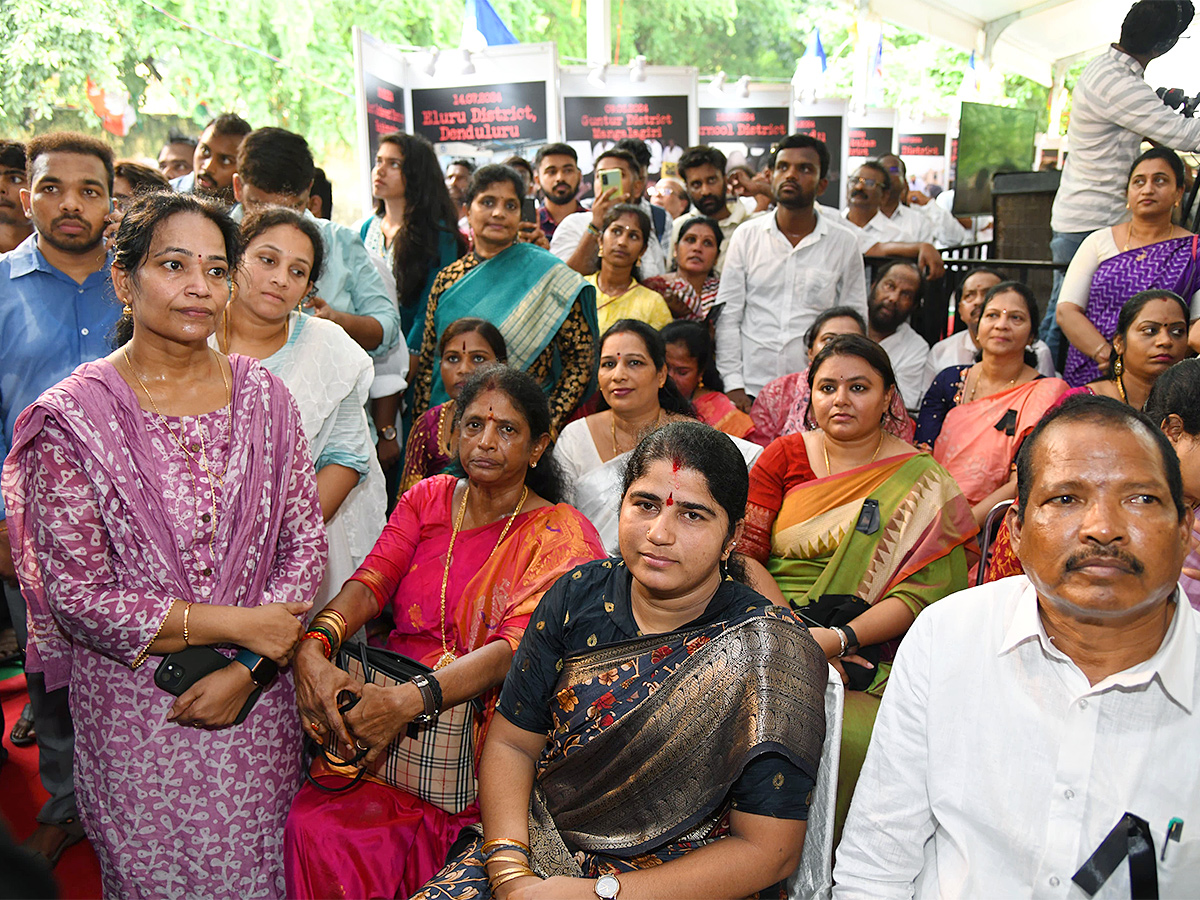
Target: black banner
922	145
385	109
609	119
760	127
829	130
482	114
872	142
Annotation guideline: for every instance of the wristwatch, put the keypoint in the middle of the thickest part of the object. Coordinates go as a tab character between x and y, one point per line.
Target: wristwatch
262	670
607	887
388	433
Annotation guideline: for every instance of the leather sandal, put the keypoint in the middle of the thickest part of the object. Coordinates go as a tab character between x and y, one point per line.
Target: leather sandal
50	846
23	734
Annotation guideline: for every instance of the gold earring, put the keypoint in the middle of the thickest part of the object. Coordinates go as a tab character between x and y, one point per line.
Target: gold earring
1118	367
126	309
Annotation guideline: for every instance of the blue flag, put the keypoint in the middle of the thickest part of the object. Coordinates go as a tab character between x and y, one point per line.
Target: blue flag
820	51
488	23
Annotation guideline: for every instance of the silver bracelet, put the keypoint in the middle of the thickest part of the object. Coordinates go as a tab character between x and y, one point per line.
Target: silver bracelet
841	637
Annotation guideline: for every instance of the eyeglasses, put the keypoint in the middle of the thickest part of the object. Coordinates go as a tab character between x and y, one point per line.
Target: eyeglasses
868	183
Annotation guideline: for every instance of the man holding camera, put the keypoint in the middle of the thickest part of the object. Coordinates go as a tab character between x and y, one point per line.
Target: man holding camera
1113	109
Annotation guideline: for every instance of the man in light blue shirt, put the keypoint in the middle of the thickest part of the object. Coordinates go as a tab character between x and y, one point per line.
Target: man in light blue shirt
275	168
57	310
215	160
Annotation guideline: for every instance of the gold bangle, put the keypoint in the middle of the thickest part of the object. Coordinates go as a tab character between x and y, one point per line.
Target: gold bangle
509	871
330	621
512	877
187	609
511	842
496	858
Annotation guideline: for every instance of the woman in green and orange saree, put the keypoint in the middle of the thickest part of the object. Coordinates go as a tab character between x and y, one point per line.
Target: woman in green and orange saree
859	529
661	726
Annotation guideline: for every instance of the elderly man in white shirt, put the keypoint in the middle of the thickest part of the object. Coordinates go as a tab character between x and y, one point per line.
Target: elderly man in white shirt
896	292
1112	110
1031	721
877	234
960	348
781	271
912	225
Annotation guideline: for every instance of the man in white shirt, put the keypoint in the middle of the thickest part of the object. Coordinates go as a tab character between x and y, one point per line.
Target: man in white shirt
577	237
897	291
781	271
959	349
1112	110
913	226
703	172
1027	720
877	234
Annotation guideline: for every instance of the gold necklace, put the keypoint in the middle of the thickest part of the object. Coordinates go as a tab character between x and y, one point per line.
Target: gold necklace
213	479
979	377
448	656
825	450
203	461
1121	389
613	424
1129	237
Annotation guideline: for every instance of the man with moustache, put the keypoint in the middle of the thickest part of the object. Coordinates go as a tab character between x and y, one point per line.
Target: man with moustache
911	225
577	237
57	311
458	176
781	271
703	172
176	157
557	173
14	227
215	160
960	348
1041	730
895	294
877	235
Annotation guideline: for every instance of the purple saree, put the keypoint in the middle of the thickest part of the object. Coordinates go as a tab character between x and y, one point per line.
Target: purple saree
111	523
1168	265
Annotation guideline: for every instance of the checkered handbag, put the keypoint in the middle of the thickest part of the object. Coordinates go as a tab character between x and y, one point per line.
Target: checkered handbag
436	760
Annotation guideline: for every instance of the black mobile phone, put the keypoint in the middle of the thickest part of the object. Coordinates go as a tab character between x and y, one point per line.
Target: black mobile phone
868	519
179	671
528	210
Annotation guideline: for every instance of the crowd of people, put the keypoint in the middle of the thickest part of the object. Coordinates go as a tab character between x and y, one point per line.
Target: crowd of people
465	553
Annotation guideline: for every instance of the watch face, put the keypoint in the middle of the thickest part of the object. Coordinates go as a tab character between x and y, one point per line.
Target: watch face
607	887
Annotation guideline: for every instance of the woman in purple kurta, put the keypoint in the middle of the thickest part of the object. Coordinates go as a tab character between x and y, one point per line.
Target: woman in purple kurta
121	525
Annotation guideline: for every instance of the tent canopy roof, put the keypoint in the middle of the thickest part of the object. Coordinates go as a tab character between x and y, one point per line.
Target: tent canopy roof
1026	37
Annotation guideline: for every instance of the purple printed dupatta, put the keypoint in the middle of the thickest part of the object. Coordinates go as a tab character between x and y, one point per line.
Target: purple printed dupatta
99	411
1169	265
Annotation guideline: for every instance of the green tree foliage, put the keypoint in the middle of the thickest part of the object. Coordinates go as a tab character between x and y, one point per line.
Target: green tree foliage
52	47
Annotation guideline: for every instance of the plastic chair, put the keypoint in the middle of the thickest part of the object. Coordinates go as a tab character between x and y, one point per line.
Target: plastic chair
813	878
987	535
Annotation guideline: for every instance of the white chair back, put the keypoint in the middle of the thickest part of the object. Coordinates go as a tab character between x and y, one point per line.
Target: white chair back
813	878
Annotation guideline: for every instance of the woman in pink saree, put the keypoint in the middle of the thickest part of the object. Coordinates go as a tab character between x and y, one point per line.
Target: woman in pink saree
159	499
462	563
975	417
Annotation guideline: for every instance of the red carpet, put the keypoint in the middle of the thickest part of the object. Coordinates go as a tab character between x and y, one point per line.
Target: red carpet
22	795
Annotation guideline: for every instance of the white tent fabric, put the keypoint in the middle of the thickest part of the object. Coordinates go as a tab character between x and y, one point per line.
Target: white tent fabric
1025	37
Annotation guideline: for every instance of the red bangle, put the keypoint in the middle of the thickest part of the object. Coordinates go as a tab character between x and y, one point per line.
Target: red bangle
318	636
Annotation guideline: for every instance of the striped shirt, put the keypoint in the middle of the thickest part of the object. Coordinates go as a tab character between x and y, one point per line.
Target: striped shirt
1112	109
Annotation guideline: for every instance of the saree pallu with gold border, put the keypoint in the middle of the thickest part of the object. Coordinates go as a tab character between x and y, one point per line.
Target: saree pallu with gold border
649	737
916	552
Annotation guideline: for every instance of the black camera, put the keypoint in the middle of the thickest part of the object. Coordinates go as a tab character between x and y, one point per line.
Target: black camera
170	677
1177	99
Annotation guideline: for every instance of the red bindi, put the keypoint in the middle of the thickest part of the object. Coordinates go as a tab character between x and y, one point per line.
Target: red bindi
671	499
